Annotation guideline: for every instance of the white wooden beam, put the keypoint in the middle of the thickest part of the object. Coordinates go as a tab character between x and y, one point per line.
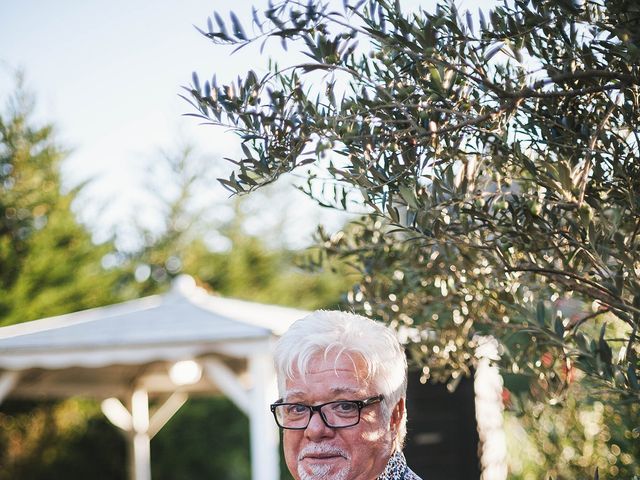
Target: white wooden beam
140	410
167	410
8	380
228	382
141	441
264	432
117	414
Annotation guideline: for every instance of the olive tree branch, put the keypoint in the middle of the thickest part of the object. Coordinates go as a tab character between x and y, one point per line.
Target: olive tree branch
584	174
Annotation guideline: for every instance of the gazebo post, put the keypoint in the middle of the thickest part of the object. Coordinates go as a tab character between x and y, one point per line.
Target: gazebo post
139	439
139	427
264	433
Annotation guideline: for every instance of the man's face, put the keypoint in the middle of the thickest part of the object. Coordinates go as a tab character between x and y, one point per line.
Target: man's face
319	452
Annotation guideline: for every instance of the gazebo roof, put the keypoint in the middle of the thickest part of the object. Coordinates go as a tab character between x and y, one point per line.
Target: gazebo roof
105	352
186	322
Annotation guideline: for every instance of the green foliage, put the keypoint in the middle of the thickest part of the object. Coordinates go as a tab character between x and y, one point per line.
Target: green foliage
564	441
62	271
48	263
496	160
498	163
56	440
249	270
208	438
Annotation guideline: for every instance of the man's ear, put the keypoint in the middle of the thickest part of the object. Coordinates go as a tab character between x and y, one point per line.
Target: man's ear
396	415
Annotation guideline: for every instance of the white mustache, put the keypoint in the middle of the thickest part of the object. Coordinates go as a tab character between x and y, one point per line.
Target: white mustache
316	449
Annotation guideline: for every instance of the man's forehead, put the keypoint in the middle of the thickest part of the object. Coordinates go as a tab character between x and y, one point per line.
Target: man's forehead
328	375
336	390
338	378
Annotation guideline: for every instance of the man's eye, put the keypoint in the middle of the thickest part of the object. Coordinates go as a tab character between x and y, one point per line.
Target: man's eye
344	407
296	409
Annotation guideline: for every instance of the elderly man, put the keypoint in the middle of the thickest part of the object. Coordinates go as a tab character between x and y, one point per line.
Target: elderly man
342	380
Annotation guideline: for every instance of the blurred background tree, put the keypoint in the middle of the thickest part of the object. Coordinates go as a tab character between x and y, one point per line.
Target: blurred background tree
230	262
48	266
48	263
565	440
495	158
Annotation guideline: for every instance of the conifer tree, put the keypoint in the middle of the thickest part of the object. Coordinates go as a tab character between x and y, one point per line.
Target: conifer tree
48	262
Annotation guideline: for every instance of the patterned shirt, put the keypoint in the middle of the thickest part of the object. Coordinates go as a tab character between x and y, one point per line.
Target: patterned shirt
397	469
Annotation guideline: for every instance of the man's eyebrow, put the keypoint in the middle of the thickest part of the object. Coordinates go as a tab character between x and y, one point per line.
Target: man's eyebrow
292	394
340	390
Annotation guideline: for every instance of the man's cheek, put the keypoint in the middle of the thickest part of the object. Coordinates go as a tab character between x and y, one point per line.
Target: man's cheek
290	453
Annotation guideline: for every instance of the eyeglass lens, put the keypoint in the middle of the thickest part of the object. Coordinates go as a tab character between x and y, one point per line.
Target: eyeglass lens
335	414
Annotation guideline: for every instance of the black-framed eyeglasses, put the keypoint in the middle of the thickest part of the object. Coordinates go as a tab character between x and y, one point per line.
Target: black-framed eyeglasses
336	414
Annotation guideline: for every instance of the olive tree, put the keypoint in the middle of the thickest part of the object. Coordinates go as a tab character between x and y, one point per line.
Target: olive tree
494	159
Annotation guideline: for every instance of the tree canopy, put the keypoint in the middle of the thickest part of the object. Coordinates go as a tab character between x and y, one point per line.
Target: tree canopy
494	157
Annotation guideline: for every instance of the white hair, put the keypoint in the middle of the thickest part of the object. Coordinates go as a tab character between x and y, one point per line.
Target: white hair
323	332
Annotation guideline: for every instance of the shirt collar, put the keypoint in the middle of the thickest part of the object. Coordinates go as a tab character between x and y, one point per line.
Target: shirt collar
395	469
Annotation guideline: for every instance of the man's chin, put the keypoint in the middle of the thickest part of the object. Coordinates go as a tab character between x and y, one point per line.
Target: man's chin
334	468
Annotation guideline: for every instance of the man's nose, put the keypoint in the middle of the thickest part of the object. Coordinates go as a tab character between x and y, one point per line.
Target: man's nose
317	428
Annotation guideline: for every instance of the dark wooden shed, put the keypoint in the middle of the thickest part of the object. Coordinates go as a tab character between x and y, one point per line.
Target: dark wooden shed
442	438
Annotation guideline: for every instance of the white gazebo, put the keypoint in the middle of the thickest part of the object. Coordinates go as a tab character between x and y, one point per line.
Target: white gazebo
161	348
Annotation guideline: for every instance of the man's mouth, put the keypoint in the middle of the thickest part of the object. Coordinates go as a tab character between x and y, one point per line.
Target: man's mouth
322	454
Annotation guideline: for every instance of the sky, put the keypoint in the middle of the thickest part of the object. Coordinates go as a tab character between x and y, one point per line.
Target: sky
108	75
